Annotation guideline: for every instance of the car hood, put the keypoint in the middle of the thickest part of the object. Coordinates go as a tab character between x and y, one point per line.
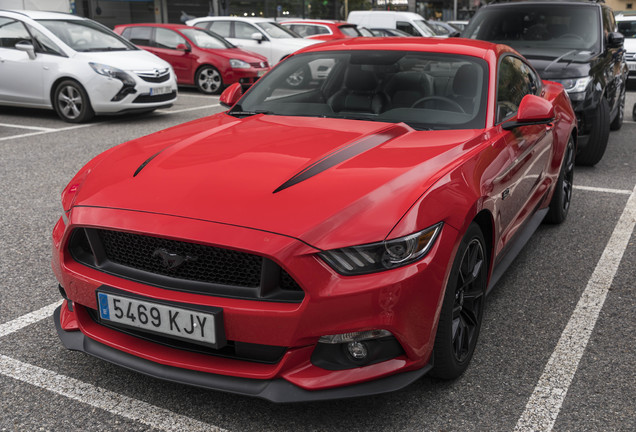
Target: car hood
630	45
135	60
296	43
328	182
559	63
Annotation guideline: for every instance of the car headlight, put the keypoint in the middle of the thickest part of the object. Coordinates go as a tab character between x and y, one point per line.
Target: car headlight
386	255
113	72
575	85
239	64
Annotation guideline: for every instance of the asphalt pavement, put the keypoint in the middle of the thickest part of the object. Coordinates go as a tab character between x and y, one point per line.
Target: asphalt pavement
556	350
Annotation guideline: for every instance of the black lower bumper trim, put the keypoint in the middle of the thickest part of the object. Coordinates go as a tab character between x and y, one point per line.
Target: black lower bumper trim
277	390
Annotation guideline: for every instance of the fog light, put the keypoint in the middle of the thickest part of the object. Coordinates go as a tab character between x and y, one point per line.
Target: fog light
357	350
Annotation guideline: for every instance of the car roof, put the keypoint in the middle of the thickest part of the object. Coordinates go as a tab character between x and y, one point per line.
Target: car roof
162	25
472	47
233	18
578	3
326	22
37	15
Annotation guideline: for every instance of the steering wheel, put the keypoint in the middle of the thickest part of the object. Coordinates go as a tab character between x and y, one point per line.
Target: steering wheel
449	102
571	36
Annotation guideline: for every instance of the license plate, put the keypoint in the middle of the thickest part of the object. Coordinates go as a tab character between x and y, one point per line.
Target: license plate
170	320
155	91
261	73
631	66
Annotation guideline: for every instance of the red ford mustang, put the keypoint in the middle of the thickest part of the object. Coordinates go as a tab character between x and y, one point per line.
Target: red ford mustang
328	241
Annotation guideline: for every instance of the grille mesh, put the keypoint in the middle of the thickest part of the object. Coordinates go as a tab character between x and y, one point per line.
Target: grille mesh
202	263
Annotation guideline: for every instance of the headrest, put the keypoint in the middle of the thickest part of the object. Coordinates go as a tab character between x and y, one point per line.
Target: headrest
465	81
358	79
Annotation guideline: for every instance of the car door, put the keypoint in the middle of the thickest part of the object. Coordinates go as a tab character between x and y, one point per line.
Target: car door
613	59
242	37
21	79
529	146
165	46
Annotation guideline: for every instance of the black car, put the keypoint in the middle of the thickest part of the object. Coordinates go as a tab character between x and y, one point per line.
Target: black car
574	43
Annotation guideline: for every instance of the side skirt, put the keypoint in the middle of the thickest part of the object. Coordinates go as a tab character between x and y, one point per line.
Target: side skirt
515	247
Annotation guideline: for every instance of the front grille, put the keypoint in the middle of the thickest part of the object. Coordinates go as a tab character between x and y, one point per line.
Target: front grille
154	78
183	266
268	354
146	98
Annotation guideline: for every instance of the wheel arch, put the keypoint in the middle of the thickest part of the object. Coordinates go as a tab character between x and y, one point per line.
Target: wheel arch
57	83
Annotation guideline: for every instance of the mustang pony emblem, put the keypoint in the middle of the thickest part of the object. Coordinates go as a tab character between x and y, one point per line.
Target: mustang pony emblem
171	260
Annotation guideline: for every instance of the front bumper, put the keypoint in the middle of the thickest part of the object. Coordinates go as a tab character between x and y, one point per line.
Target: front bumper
405	301
274	390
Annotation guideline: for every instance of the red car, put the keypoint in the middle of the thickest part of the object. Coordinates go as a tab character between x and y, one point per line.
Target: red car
323	29
198	57
328	241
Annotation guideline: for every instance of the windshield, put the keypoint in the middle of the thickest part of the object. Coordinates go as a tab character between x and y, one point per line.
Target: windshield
541	26
424	90
206	39
277	31
627	28
84	35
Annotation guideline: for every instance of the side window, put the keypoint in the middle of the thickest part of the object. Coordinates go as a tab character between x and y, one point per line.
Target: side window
44	44
514	81
168	39
12	32
244	30
407	27
221	28
139	35
609	24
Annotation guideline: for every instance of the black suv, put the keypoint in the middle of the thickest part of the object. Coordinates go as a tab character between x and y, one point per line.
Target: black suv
574	43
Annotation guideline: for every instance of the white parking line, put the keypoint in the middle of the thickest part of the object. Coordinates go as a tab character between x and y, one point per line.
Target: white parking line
604	190
188	109
199	96
46	132
26	127
545	402
98	397
28	319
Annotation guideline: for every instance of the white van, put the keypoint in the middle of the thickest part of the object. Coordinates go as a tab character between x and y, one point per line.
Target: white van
409	22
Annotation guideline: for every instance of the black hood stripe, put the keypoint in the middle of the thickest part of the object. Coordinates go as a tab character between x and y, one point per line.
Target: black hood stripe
341	155
143	165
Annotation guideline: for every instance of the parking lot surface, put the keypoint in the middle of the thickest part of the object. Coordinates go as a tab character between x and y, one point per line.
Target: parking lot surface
556	348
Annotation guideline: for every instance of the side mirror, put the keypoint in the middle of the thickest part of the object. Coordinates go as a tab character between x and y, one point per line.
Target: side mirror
231	95
258	37
615	40
27	47
533	110
184	47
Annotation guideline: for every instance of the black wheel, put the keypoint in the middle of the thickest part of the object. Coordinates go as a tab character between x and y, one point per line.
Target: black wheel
560	204
617	123
463	307
208	80
593	152
634	112
71	102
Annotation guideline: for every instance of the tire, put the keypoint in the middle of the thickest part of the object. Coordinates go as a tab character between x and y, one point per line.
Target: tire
462	307
634	112
617	123
560	203
593	152
208	80
71	102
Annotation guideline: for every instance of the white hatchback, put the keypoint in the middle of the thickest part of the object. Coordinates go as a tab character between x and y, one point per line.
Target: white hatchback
77	67
260	35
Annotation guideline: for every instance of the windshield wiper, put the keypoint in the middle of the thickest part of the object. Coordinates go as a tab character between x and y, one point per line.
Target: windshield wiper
247	113
102	49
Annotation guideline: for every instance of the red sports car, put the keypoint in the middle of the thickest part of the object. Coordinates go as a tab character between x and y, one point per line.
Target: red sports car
198	57
328	241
